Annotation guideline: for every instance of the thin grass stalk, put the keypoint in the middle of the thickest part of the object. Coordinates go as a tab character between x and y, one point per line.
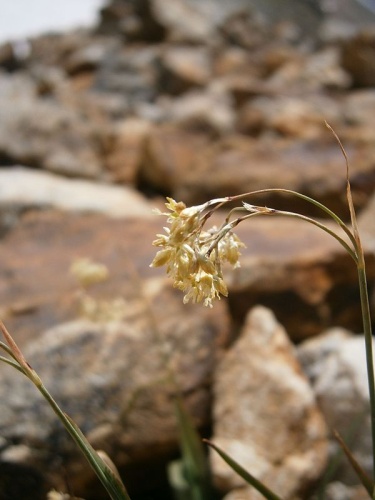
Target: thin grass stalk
365	480
247	476
366	317
89	453
111	483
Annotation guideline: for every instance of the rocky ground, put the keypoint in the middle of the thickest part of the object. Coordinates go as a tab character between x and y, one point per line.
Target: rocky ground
192	100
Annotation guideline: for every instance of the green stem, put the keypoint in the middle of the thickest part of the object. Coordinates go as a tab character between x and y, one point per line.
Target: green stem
303	197
351	252
90	454
12	363
366	317
235	222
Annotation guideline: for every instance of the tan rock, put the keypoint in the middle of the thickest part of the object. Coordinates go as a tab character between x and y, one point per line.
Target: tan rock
238	164
126	150
358	57
303	274
210	109
265	413
184	67
170	153
317	71
300	118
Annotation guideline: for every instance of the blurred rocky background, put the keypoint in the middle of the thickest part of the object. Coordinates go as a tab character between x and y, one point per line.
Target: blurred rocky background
189	99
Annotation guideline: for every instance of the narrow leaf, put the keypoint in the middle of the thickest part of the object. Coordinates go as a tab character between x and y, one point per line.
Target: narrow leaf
349	196
365	480
194	460
109	479
249	478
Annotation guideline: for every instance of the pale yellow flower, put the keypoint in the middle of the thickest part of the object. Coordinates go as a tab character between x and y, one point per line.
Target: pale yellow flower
192	256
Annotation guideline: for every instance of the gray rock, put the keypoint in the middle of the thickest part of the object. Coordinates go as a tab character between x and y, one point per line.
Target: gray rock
209	109
336	363
41	132
23	188
340	491
112	379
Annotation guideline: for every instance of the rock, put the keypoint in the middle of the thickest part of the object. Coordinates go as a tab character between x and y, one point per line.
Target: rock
366	223
14	54
318	71
315	167
183	68
295	117
91	55
337	364
265	415
122	401
358	58
357	110
192	21
126	150
185	21
42	133
170	153
313	354
23	188
132	73
48	243
134	21
109	376
340	491
56	49
300	272
210	109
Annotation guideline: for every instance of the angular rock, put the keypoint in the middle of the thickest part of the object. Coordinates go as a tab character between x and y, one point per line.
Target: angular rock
358	109
126	150
184	21
265	415
170	153
308	280
42	133
109	376
339	381
358	58
340	491
318	71
295	117
24	188
184	68
314	167
210	109
132	73
45	244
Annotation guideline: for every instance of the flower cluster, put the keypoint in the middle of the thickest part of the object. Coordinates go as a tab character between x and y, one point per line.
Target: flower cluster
194	256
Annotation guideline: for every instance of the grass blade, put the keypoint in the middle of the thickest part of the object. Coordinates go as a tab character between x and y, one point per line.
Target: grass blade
249	478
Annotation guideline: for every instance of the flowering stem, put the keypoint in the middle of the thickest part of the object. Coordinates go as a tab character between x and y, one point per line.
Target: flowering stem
350	251
303	197
368	343
235	222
